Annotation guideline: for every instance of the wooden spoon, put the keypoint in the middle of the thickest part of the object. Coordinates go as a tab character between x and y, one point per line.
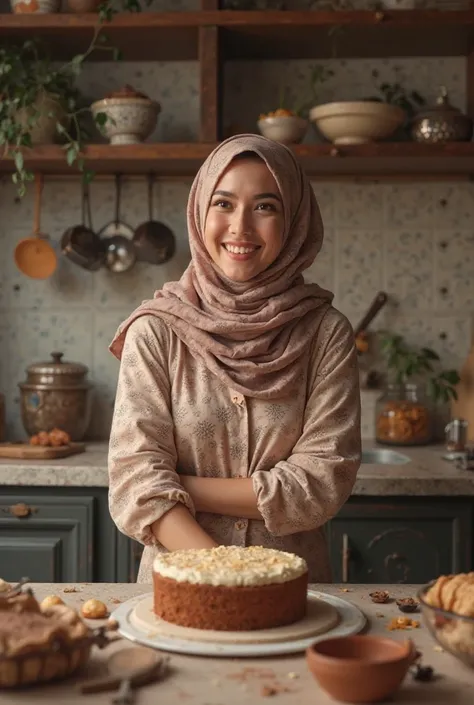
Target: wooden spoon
134	666
34	256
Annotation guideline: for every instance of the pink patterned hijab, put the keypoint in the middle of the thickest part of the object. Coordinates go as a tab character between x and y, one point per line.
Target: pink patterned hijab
255	335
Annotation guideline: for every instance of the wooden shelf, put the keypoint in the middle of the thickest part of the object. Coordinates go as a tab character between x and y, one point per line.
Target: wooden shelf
369	161
362	33
255	35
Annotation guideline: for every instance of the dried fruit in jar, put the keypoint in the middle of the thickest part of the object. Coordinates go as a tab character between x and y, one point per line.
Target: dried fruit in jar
403	422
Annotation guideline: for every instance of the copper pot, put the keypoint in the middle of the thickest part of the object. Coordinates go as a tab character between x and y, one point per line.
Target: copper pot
56	394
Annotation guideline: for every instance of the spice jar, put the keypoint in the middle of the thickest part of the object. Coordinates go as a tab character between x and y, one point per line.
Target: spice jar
56	394
403	416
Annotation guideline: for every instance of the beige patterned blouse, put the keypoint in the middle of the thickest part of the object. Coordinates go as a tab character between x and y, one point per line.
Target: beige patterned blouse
173	416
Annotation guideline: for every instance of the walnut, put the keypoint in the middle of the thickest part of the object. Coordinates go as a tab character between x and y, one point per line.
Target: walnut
50	601
94	609
379	596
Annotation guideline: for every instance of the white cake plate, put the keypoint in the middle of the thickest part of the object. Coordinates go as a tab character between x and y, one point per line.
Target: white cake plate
351	621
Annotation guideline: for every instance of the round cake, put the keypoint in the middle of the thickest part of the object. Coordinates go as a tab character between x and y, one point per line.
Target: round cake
230	588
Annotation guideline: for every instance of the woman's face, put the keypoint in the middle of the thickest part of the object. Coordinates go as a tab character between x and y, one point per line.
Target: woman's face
244	225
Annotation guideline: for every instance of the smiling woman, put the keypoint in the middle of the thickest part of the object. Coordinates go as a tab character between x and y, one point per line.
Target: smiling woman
237	414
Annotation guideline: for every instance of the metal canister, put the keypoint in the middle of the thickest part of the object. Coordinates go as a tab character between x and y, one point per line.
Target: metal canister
456	436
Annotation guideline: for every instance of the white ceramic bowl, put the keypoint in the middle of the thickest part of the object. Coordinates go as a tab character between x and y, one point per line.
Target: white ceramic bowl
285	129
131	120
357	122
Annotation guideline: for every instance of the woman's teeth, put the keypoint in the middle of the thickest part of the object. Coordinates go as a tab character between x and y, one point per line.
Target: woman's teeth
239	250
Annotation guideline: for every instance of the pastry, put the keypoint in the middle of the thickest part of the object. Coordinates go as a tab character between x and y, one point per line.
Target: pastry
40	643
230	588
455	595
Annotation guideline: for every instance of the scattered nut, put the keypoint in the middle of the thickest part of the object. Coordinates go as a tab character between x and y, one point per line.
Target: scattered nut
438	648
423	673
94	609
379	596
112	625
402	623
70	589
116	601
293	675
50	601
4	586
407	604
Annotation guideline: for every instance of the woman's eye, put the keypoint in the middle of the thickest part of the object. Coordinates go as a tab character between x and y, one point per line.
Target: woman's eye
221	204
266	207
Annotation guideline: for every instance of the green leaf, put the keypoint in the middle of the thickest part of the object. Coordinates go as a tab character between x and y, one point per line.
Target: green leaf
88	176
71	155
117	54
19	161
430	354
101	119
450	376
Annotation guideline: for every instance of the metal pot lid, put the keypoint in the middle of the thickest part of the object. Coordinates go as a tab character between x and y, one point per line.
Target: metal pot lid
441	107
57	367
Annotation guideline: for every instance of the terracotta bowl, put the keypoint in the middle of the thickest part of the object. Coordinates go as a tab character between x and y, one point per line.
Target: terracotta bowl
360	669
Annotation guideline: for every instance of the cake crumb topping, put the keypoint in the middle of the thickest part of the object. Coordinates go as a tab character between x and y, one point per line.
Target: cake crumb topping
230	565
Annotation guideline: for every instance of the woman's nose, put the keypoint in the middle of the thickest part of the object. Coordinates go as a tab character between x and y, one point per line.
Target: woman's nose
241	222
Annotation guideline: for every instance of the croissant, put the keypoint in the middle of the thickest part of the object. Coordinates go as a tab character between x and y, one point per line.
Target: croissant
454	593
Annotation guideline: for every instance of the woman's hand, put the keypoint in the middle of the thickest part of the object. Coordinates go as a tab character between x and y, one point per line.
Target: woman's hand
233	497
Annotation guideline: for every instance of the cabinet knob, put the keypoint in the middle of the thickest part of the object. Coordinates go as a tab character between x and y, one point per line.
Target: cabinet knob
20	510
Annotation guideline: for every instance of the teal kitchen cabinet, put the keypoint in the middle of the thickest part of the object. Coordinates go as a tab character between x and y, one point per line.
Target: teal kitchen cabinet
57	534
401	539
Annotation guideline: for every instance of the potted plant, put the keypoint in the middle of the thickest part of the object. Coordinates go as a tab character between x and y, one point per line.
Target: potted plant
40	104
416	384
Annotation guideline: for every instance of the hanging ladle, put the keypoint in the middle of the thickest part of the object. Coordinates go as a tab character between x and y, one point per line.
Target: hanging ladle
119	249
34	256
154	241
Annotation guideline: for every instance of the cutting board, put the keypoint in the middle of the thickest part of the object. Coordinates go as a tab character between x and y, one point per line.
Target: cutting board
30	452
463	407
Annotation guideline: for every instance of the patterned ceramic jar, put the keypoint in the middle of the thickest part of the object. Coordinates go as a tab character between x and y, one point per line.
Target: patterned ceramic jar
131	116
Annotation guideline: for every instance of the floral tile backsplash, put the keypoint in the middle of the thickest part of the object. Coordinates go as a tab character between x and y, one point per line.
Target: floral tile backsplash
413	240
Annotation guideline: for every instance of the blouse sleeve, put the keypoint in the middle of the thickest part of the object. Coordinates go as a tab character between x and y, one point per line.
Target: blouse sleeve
143	481
306	490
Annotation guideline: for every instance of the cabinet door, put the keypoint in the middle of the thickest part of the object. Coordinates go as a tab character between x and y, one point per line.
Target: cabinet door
412	541
129	554
47	539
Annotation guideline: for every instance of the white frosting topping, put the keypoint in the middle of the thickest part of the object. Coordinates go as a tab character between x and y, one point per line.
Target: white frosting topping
230	565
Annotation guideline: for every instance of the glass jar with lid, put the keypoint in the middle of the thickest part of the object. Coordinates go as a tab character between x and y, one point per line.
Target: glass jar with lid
404	416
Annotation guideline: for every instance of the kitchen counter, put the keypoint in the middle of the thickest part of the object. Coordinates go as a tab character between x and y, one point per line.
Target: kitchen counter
232	681
426	473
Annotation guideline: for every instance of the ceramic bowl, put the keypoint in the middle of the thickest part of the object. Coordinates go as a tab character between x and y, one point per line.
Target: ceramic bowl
131	120
34	7
454	632
360	669
285	129
357	122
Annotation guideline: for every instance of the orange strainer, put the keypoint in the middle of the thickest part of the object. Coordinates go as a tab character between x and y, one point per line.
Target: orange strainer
34	256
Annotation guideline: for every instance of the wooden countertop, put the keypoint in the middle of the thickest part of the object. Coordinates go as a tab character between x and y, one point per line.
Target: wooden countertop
235	681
